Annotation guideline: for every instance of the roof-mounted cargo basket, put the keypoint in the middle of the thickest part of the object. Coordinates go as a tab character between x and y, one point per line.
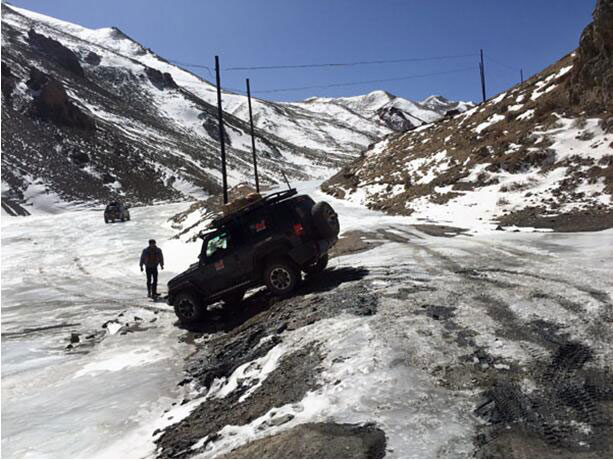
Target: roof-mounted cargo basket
253	205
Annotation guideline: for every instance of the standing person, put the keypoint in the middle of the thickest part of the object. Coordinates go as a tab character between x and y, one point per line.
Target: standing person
150	258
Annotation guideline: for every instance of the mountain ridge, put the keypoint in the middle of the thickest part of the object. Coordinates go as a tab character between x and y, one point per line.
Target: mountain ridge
153	128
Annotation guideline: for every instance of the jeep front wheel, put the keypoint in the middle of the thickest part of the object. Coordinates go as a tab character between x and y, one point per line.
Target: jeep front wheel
281	277
189	308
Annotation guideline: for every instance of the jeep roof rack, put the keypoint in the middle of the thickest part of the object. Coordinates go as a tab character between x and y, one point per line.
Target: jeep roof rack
264	201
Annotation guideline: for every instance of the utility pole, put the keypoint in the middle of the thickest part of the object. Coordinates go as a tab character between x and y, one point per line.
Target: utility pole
221	138
255	161
482	71
521	74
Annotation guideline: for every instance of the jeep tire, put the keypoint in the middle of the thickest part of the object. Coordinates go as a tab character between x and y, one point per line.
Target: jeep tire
281	276
189	308
325	220
318	266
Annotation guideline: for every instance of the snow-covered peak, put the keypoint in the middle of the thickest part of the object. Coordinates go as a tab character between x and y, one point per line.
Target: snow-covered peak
367	103
110	38
435	100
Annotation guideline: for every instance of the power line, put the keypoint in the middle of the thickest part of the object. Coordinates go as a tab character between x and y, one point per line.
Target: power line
353	83
349	64
197	66
364	82
495	61
330	64
186	64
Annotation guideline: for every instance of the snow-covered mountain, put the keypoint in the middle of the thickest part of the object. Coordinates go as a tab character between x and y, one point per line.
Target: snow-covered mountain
392	111
537	155
92	114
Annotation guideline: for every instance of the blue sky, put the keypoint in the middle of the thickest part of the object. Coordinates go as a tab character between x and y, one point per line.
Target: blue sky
520	33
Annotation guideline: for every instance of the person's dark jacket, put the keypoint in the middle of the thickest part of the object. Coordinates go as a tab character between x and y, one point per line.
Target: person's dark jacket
151	257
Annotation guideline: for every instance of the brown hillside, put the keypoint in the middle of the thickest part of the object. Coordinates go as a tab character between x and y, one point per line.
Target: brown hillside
539	154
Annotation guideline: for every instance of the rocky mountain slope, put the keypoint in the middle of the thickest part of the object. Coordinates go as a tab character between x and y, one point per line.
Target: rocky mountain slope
539	154
91	114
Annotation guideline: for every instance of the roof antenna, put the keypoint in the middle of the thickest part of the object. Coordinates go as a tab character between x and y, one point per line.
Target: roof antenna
289	187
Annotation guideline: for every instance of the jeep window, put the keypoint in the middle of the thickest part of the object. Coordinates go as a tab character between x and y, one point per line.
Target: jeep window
216	245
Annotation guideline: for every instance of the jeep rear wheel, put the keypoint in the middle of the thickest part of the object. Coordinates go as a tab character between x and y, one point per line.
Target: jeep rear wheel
189	308
318	266
325	220
281	277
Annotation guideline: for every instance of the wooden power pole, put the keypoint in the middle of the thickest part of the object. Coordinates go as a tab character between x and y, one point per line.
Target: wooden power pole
221	134
255	161
482	72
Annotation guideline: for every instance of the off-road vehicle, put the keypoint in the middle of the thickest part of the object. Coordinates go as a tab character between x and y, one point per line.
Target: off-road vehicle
116	211
267	242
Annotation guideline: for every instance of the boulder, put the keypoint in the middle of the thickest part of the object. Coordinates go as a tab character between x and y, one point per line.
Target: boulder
160	80
212	128
56	52
53	104
93	59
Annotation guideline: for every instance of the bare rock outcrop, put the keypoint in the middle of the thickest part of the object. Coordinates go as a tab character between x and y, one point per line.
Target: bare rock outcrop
591	82
56	52
51	103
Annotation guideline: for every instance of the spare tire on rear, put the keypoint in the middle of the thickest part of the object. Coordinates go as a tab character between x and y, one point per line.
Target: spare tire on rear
325	220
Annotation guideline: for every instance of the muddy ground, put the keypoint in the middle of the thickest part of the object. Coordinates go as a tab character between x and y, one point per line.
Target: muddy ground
531	384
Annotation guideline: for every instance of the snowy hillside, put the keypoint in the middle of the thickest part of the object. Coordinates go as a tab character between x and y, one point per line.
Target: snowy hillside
91	114
537	155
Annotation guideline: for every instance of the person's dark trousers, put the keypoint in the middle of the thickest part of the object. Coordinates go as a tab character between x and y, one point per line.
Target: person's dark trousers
152	281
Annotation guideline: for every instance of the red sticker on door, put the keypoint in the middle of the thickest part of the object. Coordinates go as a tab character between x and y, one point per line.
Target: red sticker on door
219	265
259	226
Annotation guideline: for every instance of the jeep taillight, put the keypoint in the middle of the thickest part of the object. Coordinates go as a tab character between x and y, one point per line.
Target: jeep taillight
298	230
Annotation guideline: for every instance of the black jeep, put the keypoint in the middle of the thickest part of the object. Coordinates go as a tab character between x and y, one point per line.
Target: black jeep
116	211
269	241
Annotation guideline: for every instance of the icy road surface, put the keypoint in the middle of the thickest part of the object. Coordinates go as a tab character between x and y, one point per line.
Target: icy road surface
452	315
71	272
522	318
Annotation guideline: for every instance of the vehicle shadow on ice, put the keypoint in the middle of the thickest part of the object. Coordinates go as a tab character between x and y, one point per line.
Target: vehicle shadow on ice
224	318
